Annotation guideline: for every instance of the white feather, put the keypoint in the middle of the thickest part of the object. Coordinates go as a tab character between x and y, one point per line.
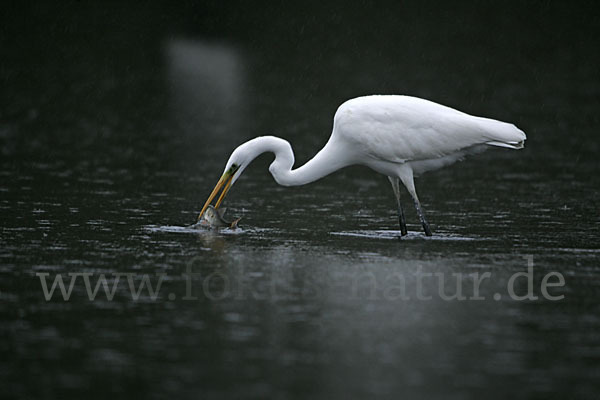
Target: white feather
399	136
404	129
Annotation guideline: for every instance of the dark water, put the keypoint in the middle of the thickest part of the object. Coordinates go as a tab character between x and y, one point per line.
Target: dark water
116	121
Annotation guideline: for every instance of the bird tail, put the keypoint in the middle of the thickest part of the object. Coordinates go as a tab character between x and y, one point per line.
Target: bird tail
509	145
502	134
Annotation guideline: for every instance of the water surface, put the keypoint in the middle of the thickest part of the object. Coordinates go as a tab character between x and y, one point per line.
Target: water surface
117	122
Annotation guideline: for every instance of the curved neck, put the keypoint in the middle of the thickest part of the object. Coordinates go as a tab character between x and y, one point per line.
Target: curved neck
329	159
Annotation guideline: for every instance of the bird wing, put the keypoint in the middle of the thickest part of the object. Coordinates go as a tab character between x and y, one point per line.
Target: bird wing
403	128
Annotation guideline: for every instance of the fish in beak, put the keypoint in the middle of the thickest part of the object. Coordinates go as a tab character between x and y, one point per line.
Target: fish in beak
215	219
223	183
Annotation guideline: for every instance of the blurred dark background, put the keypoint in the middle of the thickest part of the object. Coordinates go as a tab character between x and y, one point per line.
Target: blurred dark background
116	118
68	60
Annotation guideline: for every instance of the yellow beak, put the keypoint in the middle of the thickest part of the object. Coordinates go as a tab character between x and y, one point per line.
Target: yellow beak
224	181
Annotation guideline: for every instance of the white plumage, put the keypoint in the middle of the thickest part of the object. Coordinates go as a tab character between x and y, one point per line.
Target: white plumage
399	136
421	133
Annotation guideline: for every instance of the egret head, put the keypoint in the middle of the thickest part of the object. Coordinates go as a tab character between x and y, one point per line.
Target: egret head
242	156
237	163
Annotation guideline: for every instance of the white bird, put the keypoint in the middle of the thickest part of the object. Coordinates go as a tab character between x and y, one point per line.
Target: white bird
398	136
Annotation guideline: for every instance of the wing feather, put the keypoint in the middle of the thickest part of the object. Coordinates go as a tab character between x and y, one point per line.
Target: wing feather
402	128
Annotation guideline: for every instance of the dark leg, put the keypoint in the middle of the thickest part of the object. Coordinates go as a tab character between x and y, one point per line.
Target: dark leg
407	178
422	217
401	219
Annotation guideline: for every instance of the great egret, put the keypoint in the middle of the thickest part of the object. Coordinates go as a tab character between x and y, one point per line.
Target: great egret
399	136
